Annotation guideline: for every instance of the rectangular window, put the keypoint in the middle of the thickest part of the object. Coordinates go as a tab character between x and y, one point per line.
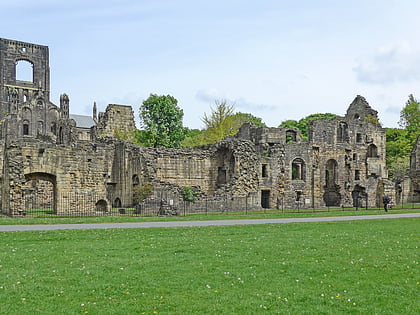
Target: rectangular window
358	137
264	172
357	175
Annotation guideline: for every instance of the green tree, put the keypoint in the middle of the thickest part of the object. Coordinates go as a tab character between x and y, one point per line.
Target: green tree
410	118
241	118
398	144
193	138
161	119
224	122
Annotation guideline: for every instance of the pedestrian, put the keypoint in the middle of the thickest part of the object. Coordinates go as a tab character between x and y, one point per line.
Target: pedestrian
386	201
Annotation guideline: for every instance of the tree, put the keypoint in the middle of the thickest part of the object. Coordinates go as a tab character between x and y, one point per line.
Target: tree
410	118
398	144
161	119
224	122
193	138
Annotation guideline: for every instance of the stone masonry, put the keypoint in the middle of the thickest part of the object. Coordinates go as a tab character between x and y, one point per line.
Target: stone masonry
46	152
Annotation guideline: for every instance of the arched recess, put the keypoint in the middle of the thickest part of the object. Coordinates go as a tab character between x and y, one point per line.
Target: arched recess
332	196
225	166
136	188
117	203
372	151
298	169
342	132
26	121
359	196
40	192
24	70
101	205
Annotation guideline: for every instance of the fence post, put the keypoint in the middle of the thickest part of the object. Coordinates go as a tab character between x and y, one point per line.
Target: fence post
246	204
367	200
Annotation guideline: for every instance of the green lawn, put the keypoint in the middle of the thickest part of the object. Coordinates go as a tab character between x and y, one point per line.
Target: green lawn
359	267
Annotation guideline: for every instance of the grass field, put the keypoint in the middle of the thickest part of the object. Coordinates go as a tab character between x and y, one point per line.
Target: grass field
359	267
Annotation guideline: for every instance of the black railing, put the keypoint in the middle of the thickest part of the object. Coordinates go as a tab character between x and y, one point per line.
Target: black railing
84	204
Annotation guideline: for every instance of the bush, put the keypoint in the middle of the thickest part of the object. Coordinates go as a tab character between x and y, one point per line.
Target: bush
188	194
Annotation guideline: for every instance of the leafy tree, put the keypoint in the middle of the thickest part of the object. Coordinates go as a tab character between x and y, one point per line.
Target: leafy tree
399	168
303	124
188	194
410	118
161	119
193	138
398	143
224	122
241	118
142	192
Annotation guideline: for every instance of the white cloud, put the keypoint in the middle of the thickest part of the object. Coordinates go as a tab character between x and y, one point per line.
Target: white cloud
398	62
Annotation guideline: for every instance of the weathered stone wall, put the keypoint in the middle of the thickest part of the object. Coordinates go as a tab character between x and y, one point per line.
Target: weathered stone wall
74	171
117	120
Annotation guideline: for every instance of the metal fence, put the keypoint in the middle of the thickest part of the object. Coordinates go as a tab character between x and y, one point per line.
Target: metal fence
83	204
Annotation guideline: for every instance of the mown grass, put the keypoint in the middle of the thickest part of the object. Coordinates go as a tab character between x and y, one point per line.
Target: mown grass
359	267
268	214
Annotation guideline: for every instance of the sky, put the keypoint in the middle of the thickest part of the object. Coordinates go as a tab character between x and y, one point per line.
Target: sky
275	59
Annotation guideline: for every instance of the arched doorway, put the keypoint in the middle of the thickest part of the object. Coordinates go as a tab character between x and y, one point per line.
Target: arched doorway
101	206
332	196
40	193
359	196
117	203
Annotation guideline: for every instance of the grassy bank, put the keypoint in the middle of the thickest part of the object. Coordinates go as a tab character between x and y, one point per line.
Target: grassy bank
363	267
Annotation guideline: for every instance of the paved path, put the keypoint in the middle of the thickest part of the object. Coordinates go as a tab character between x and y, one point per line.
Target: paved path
138	225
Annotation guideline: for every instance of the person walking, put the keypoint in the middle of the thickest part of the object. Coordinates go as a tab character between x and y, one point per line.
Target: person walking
386	201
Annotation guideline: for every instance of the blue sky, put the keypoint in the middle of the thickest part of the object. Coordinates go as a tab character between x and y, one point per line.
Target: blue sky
278	60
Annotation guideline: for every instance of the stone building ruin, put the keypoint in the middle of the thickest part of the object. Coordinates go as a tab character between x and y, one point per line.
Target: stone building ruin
47	152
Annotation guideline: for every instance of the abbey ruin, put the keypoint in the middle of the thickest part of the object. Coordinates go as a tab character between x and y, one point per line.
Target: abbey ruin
45	148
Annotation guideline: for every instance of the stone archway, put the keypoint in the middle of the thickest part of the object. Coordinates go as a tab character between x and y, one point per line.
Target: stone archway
39	193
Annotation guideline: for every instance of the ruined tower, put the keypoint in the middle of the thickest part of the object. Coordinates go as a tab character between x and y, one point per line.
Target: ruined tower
25	90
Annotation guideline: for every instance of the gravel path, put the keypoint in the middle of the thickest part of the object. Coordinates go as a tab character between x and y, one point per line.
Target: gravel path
139	225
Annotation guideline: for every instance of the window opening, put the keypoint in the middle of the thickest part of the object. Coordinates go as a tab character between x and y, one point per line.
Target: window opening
298	169
264	172
290	136
24	71
25	130
372	151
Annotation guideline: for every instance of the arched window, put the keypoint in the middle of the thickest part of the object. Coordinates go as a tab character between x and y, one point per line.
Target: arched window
25	128
24	71
136	180
372	151
298	169
342	132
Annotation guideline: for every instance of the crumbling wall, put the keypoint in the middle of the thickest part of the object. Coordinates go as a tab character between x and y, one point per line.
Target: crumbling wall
116	121
78	173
